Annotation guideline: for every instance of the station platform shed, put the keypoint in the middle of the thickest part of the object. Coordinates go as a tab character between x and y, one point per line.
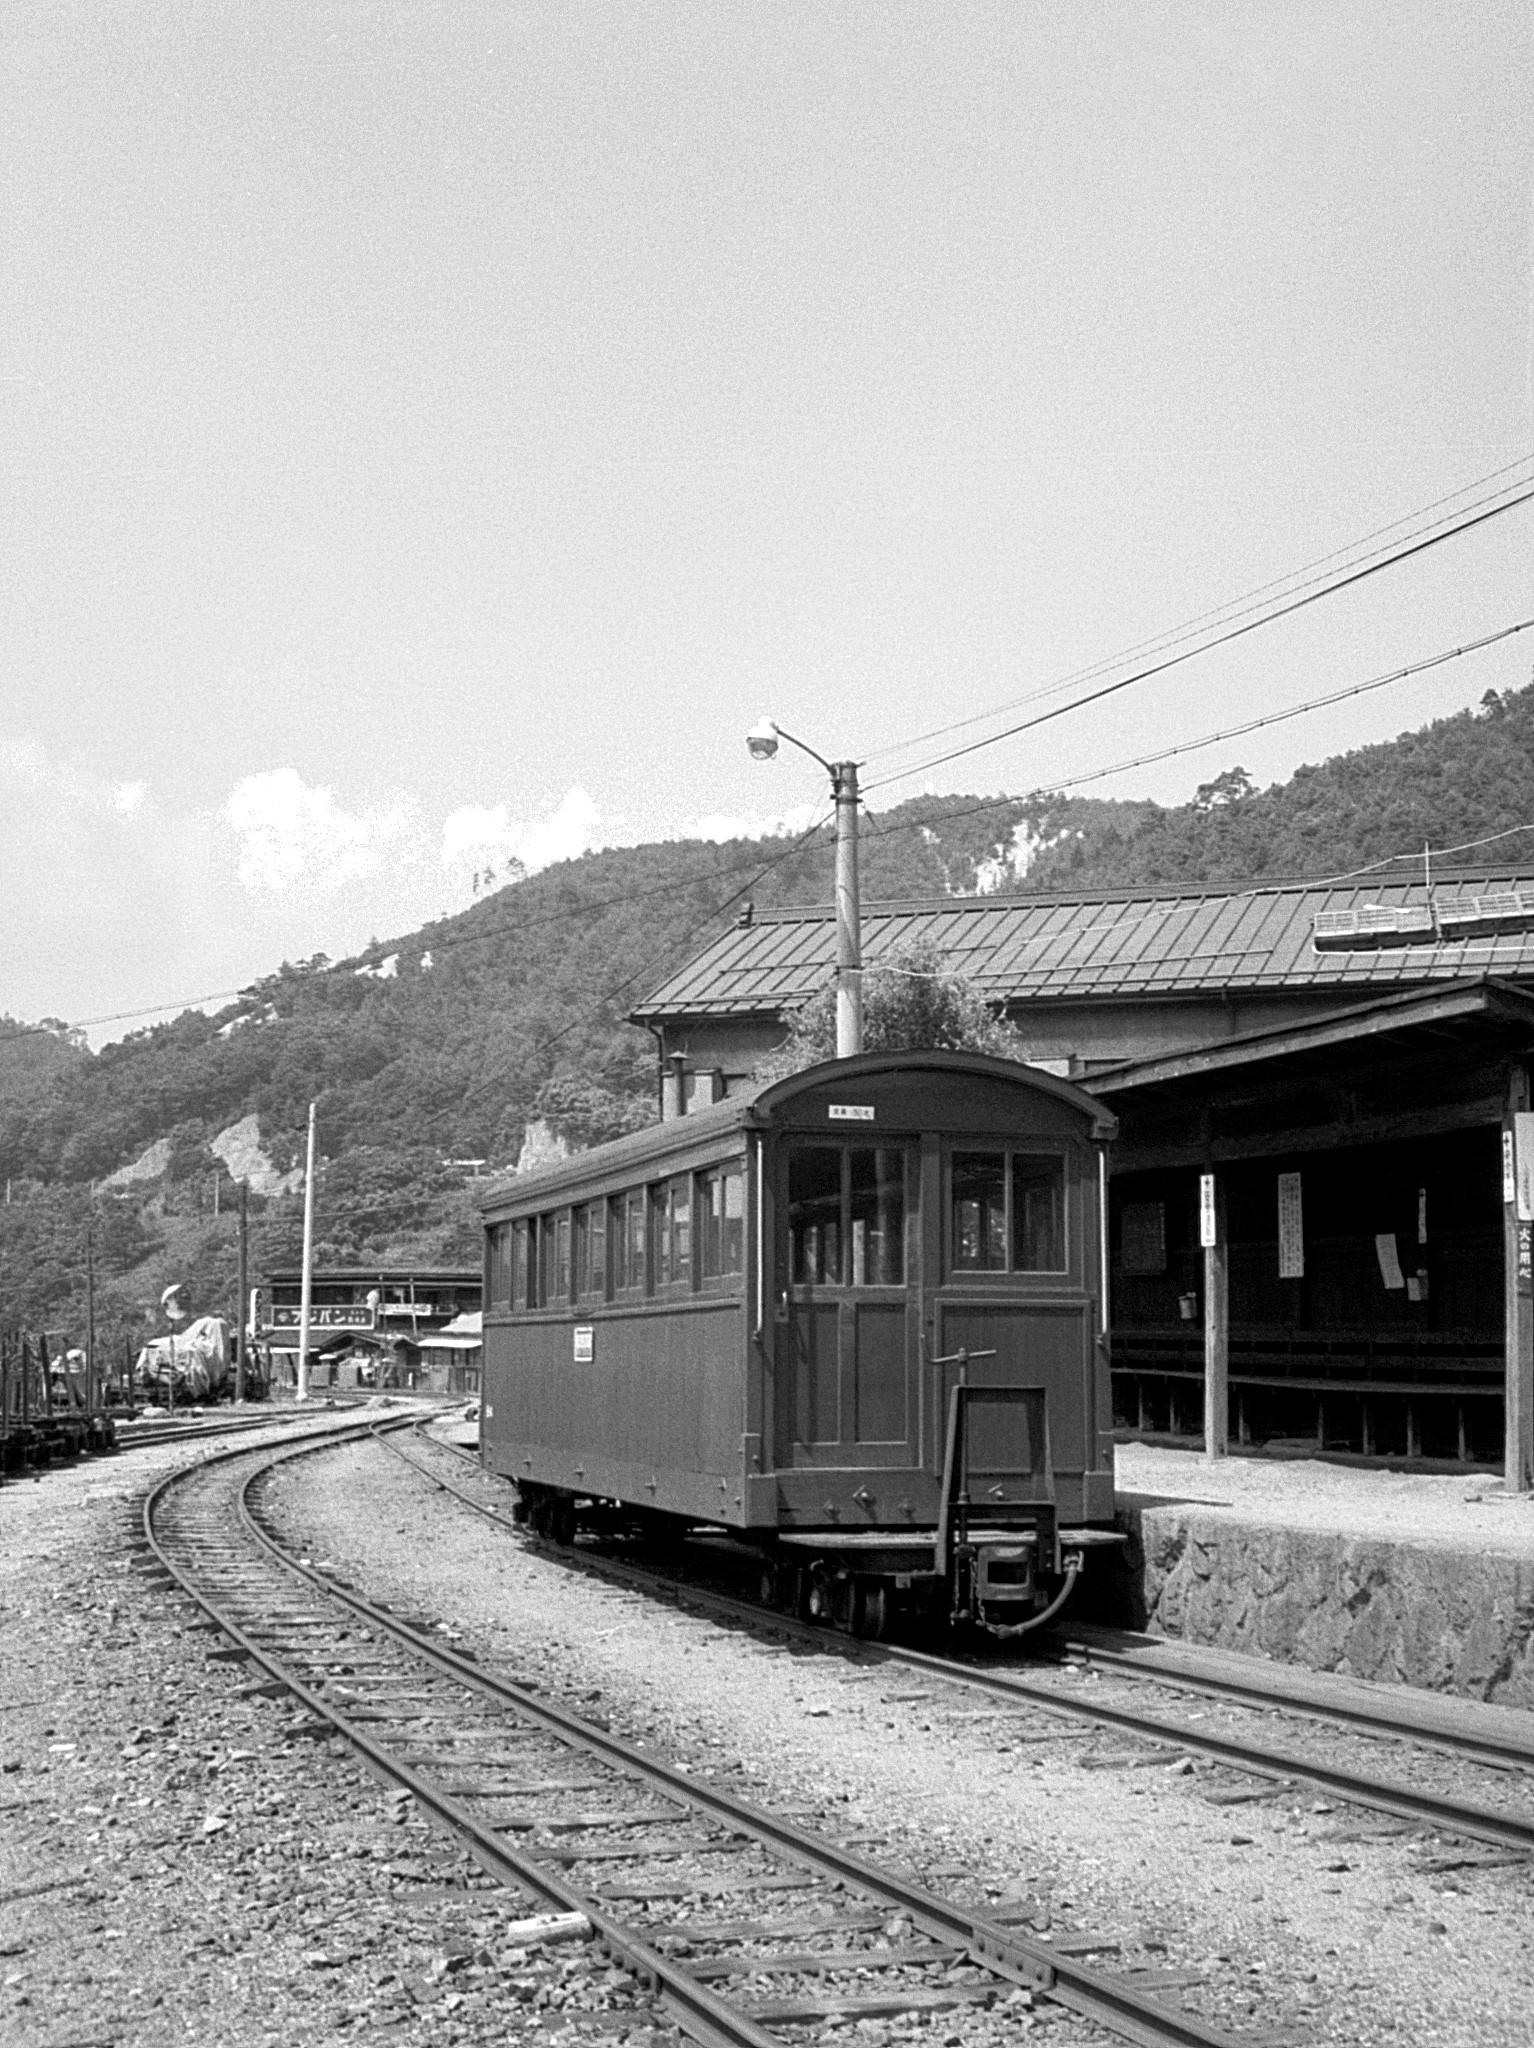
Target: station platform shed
1323	1095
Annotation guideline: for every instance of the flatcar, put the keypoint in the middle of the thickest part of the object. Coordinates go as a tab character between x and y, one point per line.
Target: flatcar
855	1318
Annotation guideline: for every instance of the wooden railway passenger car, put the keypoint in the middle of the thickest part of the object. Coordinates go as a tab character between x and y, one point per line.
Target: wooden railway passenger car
855	1317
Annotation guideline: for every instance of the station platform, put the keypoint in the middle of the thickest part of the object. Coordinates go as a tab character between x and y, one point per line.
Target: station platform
1411	1578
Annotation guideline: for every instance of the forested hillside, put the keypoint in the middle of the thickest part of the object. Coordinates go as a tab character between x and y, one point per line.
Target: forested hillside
441	1045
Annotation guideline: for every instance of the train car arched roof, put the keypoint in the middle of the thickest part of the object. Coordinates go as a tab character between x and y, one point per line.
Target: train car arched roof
645	1154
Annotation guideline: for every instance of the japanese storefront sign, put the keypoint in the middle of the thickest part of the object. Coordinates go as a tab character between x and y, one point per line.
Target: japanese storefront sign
1291	1228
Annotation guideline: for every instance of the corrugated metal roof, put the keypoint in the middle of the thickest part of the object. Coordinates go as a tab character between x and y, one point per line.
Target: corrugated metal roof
1057	948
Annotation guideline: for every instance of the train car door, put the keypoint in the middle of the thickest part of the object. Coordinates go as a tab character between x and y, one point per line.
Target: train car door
848	1328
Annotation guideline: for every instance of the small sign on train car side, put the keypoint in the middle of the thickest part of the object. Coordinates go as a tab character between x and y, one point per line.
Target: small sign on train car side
585	1343
850	1112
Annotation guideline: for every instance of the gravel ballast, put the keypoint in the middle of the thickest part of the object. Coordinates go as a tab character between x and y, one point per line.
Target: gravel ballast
178	1863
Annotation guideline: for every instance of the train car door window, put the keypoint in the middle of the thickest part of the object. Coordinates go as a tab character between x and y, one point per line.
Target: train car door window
815	1215
519	1294
876	1215
1038	1212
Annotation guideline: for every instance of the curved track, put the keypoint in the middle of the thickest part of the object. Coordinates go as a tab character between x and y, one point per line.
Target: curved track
1467	1819
569	1813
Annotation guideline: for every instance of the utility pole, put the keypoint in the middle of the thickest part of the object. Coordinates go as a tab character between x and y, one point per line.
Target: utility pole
849	940
241	1309
90	1315
762	745
304	1299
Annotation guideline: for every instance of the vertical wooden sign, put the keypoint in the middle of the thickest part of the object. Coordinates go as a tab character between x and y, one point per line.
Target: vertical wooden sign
1291	1228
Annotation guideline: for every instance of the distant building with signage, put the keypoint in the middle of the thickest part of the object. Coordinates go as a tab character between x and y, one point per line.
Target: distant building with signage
382	1326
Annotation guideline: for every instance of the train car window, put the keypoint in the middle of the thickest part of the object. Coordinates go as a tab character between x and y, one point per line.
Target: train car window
815	1215
500	1266
628	1228
520	1274
980	1212
673	1232
876	1208
545	1266
1038	1212
722	1220
591	1250
562	1256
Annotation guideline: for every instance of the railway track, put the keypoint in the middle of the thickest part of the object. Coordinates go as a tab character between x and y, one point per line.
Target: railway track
1401	1799
655	1861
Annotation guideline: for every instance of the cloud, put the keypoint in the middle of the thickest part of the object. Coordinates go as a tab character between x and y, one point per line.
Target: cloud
721	826
27	764
293	834
478	832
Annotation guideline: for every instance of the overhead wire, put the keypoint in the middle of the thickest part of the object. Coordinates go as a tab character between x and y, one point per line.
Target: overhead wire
1173	635
1237	632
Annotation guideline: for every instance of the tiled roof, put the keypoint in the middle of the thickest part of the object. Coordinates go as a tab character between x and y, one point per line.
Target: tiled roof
1040	948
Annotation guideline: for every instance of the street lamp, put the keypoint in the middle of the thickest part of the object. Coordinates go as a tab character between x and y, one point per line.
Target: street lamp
762	744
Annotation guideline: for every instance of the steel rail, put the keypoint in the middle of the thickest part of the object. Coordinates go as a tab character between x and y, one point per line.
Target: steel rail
704	2015
1465	1818
1495	1751
1114	2003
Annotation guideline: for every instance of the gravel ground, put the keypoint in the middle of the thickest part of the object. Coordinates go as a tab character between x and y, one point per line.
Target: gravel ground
177	1863
1310	1920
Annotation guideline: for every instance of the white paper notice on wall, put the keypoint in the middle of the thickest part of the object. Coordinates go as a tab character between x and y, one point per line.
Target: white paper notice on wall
1523	1163
585	1335
1291	1228
1390	1261
1206	1229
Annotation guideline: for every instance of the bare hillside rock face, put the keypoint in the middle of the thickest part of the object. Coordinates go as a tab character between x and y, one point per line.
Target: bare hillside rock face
239	1146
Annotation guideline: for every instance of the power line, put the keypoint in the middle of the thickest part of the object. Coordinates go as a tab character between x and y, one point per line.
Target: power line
1235	732
1220	640
1174	635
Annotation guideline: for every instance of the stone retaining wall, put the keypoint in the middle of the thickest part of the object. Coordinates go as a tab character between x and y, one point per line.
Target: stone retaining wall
1451	1621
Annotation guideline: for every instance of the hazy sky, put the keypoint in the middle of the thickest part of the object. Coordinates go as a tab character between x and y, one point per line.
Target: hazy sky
434	432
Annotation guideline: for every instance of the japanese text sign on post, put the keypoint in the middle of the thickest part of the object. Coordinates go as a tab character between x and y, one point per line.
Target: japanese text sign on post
1523	1163
1291	1228
1206	1222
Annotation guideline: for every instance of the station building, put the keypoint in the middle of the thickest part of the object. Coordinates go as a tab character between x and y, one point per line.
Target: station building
384	1326
1325	1077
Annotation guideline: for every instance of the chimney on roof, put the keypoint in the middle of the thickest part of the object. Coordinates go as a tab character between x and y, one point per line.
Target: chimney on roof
674	1099
743	922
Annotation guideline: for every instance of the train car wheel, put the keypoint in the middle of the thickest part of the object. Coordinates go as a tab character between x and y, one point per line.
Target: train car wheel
871	1610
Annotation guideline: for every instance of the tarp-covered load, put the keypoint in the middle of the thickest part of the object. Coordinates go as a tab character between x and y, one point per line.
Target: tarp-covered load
189	1364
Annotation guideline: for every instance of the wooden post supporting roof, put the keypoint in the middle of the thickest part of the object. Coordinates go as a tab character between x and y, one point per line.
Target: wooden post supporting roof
1212	1235
1518	1288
